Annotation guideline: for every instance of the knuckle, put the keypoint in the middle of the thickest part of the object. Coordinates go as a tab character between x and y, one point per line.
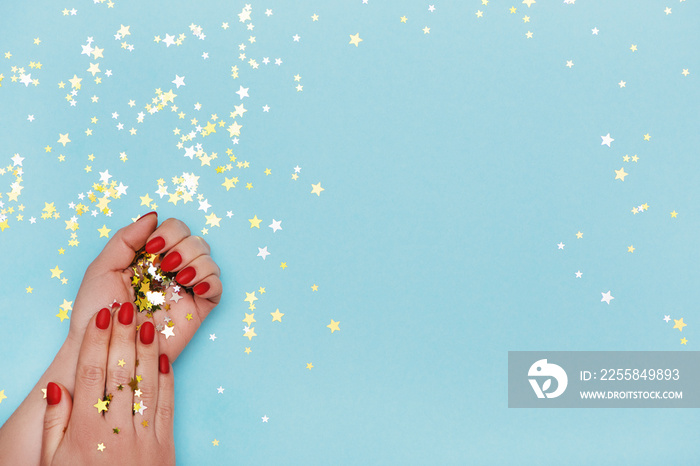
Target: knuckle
52	422
203	243
120	376
91	376
178	224
165	412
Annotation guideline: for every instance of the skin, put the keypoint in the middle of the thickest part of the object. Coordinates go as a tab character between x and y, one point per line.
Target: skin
74	428
108	278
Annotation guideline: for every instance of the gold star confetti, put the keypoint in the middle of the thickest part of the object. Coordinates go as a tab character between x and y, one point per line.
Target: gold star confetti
317	189
101	405
249	319
254	222
679	324
355	40
250	333
63	139
333	326
277	315
620	174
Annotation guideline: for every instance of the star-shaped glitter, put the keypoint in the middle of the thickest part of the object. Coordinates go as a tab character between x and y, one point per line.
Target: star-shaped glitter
333	326
606	297
316	188
101	405
168	332
355	40
139	407
679	324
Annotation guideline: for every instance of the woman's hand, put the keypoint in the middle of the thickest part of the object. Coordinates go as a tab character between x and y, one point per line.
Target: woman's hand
122	410
109	278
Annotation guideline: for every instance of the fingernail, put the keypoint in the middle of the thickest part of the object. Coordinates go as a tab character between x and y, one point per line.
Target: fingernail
186	275
163	364
148	331
53	394
171	261
146	215
126	313
115	305
201	288
155	245
102	319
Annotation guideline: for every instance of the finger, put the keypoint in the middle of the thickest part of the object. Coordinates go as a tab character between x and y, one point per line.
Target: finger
165	407
56	417
90	372
121	248
183	253
196	270
167	235
146	396
120	367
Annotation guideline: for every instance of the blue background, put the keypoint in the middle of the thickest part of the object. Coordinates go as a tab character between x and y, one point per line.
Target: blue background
453	163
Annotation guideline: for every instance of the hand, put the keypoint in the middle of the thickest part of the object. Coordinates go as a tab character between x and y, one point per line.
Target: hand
109	278
89	429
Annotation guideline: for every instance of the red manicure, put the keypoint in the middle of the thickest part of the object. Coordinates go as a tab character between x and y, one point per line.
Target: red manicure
163	364
148	332
155	245
102	319
201	288
186	275
126	313
171	261
115	305
53	394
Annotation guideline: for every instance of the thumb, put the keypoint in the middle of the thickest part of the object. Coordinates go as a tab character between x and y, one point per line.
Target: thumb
121	248
58	409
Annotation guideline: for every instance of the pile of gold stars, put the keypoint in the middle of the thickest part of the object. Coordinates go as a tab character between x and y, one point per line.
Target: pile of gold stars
150	282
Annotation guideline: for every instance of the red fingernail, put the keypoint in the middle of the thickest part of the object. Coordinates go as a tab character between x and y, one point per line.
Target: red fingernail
148	332
163	364
115	305
53	394
126	313
155	245
186	275
171	261
102	319
146	215
201	288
